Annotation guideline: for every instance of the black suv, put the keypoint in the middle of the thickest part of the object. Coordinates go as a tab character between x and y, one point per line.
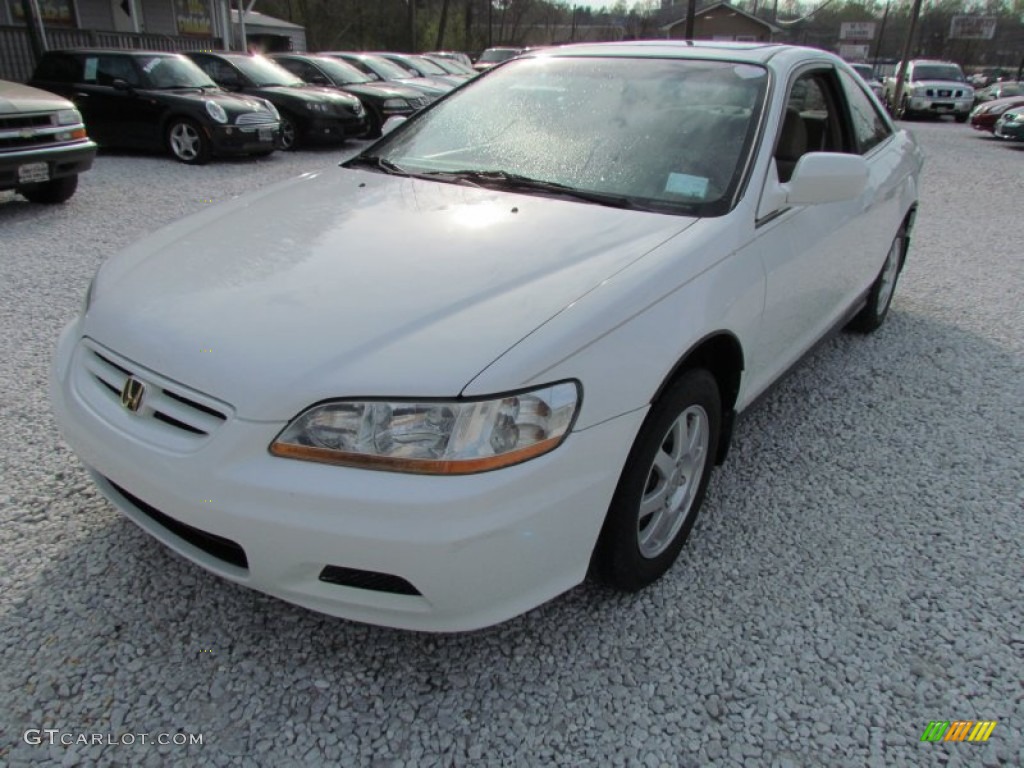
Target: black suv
308	113
43	146
154	100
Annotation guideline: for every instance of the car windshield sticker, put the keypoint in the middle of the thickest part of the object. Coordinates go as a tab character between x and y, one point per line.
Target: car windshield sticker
90	69
150	65
686	185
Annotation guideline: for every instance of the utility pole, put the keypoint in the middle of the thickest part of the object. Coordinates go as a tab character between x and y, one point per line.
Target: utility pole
34	23
908	46
412	26
691	11
881	33
441	26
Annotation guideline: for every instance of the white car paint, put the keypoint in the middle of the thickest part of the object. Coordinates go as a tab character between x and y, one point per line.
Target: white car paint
347	283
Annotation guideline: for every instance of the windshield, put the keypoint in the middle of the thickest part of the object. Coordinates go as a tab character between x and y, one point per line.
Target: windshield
341	71
498	54
938	72
452	67
173	72
426	66
264	72
664	134
385	68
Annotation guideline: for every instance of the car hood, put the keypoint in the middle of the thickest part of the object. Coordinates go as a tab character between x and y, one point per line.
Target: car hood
347	282
382	90
15	97
305	93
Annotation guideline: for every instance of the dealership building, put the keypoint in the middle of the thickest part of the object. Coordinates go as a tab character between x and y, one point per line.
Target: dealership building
164	25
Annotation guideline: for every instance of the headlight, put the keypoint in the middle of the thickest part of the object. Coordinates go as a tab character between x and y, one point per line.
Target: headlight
454	437
69	117
315	106
919	92
358	108
272	109
216	111
396	104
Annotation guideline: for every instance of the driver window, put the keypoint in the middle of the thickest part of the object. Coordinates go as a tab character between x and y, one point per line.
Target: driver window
808	124
111	68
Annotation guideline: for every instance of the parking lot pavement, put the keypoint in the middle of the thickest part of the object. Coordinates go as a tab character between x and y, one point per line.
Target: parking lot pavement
856	572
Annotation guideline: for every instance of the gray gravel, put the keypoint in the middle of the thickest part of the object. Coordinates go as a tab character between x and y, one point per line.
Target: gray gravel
856	573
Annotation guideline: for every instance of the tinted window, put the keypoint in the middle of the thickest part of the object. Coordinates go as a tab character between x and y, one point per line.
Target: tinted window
938	72
869	127
104	69
60	68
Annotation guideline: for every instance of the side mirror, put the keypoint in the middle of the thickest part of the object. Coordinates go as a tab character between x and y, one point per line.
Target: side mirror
391	123
826	177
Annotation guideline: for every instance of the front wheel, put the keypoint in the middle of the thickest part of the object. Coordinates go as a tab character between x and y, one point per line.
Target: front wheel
880	297
50	192
662	485
187	142
288	136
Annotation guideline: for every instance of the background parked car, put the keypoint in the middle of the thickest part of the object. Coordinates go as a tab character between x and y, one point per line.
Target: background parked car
452	66
1011	125
379	68
985	115
43	144
309	114
424	67
459	56
493	56
381	100
154	100
999	90
867	72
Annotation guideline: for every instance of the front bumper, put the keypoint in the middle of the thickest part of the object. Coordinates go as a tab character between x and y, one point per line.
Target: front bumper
1006	130
939	106
65	160
334	129
243	140
478	549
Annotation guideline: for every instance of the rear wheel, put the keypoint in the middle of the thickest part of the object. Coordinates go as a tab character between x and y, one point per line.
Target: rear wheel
662	485
50	192
187	142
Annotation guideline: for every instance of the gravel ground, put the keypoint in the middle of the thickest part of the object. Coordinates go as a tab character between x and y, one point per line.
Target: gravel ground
857	571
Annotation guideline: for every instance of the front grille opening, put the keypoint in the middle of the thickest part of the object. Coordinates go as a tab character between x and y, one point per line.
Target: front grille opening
107	384
376	582
216	546
111	363
175	423
198	406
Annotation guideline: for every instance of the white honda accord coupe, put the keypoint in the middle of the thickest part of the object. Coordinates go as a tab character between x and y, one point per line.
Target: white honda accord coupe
501	349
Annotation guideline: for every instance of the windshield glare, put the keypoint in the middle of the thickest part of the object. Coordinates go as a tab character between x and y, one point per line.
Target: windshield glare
387	69
667	133
264	72
174	72
426	66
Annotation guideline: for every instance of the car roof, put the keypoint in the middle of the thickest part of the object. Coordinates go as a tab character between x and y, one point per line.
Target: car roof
752	53
104	51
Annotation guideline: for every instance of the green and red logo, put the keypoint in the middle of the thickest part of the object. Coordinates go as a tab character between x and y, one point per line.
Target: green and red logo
958	730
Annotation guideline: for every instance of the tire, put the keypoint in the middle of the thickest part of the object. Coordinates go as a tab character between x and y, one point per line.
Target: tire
288	135
962	118
662	484
187	142
374	122
50	192
871	317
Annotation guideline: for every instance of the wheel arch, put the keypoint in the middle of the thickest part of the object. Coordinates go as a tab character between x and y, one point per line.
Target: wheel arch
721	354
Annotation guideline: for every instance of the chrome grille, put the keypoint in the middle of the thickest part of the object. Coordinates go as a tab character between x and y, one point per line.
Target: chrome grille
169	414
255	118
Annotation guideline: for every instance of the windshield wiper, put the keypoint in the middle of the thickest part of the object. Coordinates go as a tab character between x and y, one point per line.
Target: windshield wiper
516	181
377	163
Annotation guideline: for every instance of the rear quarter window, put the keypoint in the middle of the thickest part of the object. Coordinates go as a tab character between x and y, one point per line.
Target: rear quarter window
59	68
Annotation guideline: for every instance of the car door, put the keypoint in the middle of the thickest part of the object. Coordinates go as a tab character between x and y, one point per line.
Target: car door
812	255
115	113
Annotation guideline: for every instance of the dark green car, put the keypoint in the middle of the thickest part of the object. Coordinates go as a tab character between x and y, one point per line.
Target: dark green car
1010	125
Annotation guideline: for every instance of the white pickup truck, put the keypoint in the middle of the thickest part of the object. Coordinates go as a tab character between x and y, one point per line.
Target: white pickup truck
930	88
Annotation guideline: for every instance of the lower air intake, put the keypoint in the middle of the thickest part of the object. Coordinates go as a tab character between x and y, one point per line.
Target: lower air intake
375	582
